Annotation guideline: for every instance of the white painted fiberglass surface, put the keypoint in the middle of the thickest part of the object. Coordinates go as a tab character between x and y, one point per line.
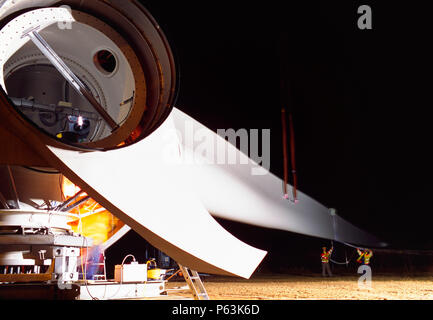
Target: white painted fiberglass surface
233	192
163	197
155	198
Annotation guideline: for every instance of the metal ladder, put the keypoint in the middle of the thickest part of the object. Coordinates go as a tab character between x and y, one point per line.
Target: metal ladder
195	284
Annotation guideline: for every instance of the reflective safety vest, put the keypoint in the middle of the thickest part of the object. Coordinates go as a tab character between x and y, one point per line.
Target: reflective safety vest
325	256
367	257
364	255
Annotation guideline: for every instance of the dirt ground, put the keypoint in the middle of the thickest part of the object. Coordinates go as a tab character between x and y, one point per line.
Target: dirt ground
314	287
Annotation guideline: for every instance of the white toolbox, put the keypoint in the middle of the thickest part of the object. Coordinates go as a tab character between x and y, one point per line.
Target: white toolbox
132	272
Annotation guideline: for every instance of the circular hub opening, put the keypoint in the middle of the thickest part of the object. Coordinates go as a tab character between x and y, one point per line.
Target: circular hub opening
105	61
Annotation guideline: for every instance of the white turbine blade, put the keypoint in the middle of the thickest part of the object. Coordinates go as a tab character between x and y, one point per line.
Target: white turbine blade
151	193
232	192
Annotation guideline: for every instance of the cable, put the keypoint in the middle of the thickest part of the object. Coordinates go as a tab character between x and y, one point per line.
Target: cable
293	159
285	163
121	275
129	255
335	262
341	263
334	227
350	245
173	275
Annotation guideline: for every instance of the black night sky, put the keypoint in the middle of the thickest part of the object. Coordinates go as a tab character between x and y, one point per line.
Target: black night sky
359	98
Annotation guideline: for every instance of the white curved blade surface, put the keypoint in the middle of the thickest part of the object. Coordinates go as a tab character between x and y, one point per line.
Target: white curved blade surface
232	192
153	196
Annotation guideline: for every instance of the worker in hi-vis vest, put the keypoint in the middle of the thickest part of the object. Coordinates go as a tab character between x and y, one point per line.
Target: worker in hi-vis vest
325	256
364	256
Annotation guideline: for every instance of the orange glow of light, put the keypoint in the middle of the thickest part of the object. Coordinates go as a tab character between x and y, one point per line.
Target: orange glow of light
93	220
96	222
69	189
134	135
